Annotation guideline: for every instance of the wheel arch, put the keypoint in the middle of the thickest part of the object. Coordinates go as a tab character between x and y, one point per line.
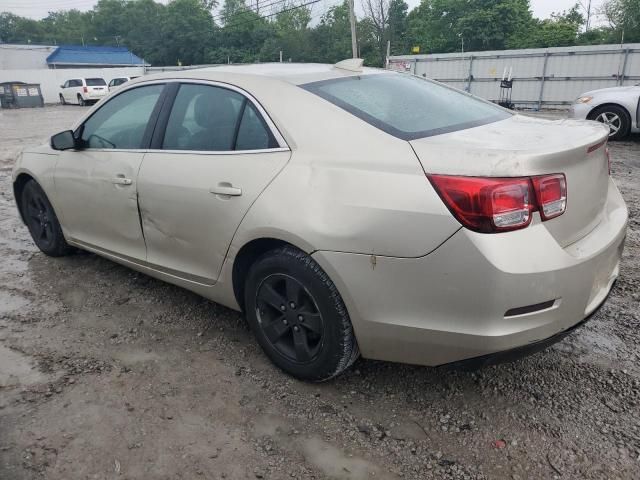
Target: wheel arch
247	255
593	111
18	187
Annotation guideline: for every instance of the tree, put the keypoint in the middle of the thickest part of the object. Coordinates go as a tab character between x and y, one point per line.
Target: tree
441	25
398	26
562	29
331	39
187	29
624	18
16	29
377	13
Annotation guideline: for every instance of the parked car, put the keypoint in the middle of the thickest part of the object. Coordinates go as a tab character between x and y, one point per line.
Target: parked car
83	91
345	210
616	107
116	82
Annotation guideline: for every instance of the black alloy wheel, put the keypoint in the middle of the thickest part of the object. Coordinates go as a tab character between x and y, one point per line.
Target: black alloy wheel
298	316
42	221
289	318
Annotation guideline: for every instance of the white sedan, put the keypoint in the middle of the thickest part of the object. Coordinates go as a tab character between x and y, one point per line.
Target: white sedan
616	107
345	210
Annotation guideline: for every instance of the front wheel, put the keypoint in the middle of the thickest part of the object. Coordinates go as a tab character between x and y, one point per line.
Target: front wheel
616	118
42	221
298	316
62	100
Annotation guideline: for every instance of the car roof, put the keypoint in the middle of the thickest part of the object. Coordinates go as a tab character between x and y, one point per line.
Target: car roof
293	73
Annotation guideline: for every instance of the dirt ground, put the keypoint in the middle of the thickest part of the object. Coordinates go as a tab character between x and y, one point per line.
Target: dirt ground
108	374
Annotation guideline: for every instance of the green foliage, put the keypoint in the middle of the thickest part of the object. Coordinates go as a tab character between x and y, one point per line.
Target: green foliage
443	25
624	16
189	32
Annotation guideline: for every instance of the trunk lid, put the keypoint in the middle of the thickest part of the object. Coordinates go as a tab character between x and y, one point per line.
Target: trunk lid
526	146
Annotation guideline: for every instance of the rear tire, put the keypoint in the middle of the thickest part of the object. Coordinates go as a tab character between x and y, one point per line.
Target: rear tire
298	316
42	221
81	101
62	100
616	118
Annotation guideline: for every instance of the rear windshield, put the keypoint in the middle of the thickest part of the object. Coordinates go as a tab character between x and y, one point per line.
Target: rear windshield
95	82
407	106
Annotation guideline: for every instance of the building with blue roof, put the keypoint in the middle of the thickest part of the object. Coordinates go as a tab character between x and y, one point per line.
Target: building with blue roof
76	56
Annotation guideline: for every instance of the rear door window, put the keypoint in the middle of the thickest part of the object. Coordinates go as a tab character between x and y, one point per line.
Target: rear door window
95	82
407	106
203	118
215	119
253	134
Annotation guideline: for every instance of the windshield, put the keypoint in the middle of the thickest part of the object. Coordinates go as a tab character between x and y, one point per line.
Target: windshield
407	106
95	82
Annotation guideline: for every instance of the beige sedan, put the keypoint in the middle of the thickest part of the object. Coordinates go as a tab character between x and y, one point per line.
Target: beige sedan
347	211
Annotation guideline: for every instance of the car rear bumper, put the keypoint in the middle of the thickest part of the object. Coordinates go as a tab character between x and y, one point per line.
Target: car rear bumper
95	95
518	353
478	294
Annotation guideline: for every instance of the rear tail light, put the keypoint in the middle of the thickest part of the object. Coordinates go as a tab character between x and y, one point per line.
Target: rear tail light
85	89
551	194
490	205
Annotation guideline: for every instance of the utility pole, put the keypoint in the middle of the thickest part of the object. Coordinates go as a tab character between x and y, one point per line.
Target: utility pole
352	20
280	56
386	63
588	16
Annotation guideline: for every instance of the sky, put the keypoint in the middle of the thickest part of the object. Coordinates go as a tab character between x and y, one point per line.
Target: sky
39	8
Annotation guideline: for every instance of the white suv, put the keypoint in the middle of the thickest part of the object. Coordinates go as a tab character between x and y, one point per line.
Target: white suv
116	82
83	90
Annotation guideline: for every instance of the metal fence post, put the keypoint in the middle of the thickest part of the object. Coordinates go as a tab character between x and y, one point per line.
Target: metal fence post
624	67
544	74
470	76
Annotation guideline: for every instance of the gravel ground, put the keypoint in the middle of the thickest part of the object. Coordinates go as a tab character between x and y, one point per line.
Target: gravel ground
106	373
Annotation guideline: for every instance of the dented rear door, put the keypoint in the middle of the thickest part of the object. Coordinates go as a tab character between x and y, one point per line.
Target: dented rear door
192	203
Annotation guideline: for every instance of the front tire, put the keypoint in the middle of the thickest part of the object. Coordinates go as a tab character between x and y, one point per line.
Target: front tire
42	221
62	100
616	118
298	316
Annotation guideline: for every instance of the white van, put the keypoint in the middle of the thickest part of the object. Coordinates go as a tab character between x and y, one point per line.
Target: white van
83	90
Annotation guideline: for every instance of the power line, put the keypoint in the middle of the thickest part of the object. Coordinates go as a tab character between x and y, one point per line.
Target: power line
236	24
249	9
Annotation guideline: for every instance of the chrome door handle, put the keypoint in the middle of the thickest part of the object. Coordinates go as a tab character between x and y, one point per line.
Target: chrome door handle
121	181
225	188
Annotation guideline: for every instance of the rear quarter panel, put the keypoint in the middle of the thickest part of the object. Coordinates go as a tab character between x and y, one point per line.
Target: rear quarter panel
348	187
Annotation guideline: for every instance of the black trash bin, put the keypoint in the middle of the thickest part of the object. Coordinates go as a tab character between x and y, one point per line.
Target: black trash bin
20	95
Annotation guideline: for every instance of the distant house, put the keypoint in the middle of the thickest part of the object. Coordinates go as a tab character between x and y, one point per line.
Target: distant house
72	56
24	57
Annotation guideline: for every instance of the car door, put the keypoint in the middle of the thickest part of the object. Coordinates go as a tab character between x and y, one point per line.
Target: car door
67	90
63	90
96	186
73	90
214	151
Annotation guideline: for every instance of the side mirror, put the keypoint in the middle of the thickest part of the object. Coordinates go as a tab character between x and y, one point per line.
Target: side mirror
63	141
61	86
